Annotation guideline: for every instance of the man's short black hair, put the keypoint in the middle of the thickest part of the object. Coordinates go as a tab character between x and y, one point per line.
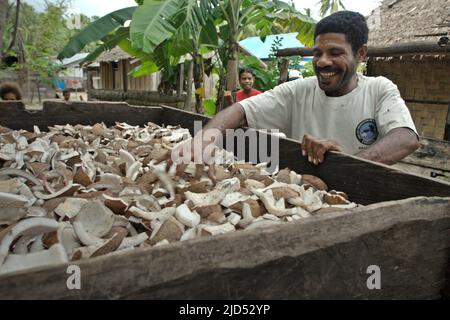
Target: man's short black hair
352	24
246	70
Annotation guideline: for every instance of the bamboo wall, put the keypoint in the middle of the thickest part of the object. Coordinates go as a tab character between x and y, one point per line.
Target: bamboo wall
113	80
424	83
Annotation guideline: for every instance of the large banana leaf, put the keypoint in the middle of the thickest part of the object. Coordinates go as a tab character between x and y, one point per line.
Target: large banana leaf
109	42
158	20
125	45
208	35
147	67
96	31
152	23
303	24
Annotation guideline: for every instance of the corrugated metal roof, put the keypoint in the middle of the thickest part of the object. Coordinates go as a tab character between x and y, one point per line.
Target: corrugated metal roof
74	60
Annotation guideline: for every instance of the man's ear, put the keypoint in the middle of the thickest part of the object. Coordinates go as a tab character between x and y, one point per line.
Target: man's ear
362	53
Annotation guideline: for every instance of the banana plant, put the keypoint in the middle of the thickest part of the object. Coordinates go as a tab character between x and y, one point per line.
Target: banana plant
163	31
330	6
233	16
109	30
195	25
171	29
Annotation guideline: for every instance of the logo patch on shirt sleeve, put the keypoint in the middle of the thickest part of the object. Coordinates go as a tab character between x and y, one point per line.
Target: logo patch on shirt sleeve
367	131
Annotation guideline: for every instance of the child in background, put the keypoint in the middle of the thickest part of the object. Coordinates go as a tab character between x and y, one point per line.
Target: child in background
246	79
66	95
10	91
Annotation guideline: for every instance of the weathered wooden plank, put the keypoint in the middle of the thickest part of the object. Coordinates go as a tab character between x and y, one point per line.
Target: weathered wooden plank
14	116
403	49
124	75
284	71
325	257
365	181
173	116
433	154
423	171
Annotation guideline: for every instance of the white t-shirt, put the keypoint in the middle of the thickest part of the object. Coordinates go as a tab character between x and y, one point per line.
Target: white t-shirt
355	120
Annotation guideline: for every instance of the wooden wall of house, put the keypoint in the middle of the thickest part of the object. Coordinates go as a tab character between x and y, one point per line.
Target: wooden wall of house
112	83
106	75
424	83
145	83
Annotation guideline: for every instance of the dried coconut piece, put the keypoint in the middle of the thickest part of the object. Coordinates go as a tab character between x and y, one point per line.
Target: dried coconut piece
170	229
207	230
93	221
70	207
30	226
186	216
53	256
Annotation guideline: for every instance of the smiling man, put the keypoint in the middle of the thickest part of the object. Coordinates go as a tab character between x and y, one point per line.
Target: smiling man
339	109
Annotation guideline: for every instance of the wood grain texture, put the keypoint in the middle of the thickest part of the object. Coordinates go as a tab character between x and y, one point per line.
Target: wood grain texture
324	257
87	113
408	48
433	154
173	116
423	171
365	181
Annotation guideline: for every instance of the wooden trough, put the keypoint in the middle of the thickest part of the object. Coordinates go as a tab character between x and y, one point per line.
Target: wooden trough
404	230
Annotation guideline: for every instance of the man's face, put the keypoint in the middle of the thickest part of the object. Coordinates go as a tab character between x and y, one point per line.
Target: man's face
66	96
335	64
246	80
9	96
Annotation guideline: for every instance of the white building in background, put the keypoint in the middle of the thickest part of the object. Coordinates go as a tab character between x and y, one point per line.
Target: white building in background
73	76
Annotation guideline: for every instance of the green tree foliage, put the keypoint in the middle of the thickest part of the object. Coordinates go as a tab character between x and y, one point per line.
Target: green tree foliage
103	31
330	6
39	38
163	31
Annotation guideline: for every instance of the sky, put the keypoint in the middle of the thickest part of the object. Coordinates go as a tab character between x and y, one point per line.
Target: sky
102	7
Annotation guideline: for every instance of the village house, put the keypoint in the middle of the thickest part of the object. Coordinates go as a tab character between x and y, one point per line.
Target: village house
112	82
411	38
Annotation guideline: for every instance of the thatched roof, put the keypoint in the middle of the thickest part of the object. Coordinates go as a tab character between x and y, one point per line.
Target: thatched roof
401	21
112	55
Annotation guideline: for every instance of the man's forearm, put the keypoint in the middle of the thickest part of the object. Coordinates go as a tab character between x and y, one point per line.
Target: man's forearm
393	147
229	118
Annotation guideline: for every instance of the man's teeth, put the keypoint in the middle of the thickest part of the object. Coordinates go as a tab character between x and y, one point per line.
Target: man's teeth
327	74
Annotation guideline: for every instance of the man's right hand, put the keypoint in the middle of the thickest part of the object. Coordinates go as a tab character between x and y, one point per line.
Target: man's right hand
315	148
228	96
197	150
229	118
